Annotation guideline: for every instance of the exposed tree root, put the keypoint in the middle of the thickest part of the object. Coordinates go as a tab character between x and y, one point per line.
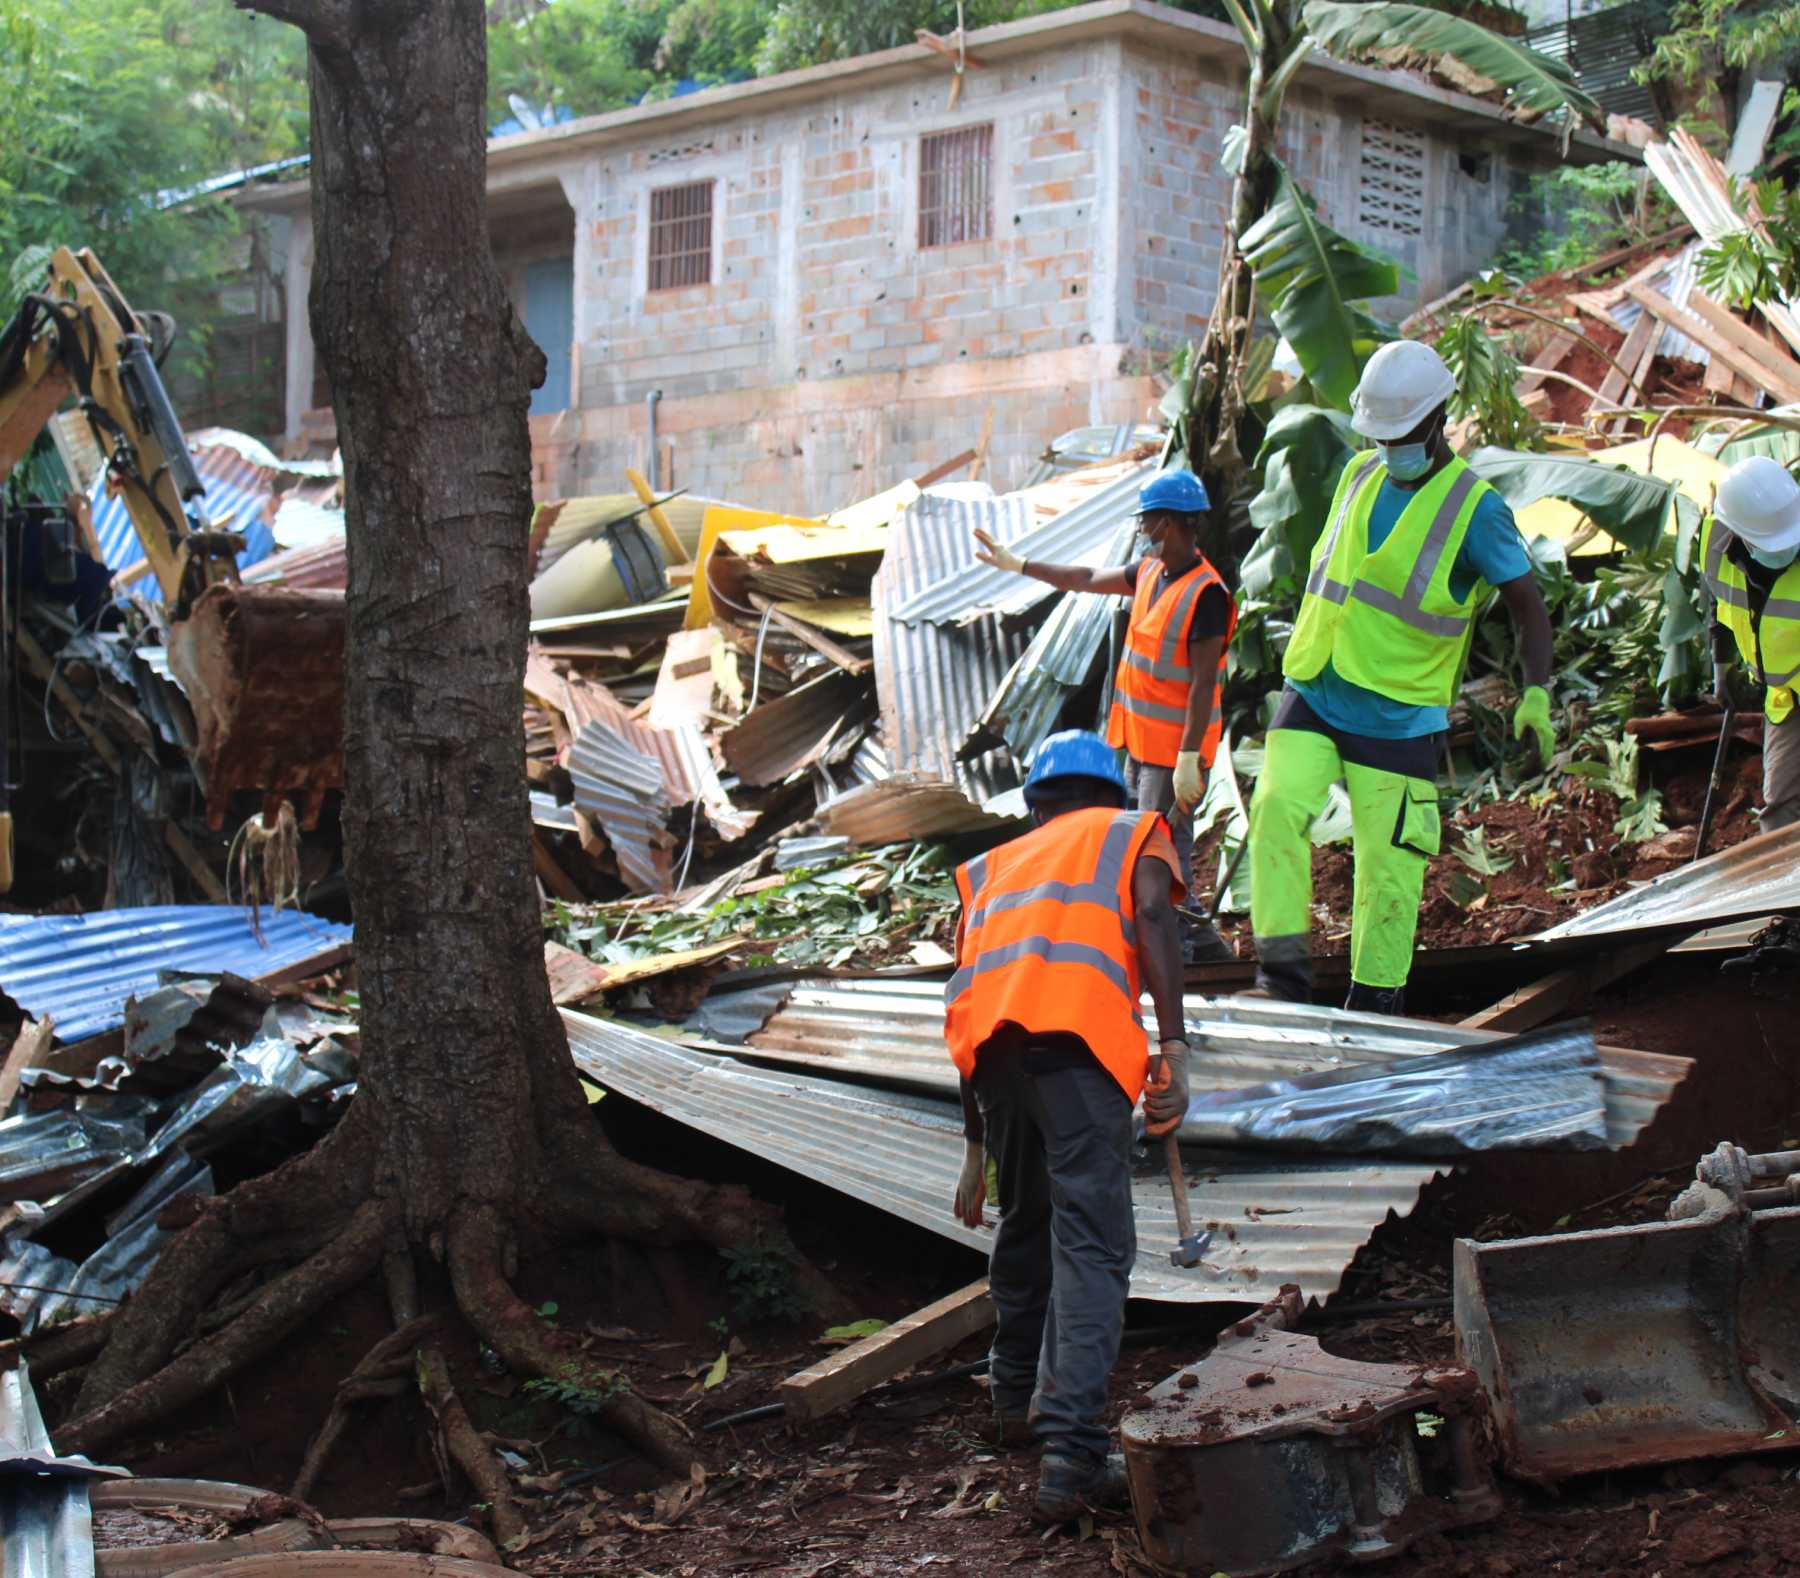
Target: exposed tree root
385	1371
463	1442
278	1311
58	1348
514	1331
285	1216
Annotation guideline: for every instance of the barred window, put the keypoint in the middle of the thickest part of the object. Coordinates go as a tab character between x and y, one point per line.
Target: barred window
681	236
956	186
1391	193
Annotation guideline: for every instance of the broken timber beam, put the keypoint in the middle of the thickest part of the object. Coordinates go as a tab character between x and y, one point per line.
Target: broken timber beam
1617	388
1548	360
848	1373
1779	364
1567	989
28	1050
1741	362
821	643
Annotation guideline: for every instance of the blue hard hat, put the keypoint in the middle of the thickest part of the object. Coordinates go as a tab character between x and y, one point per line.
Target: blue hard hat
1180	492
1074	753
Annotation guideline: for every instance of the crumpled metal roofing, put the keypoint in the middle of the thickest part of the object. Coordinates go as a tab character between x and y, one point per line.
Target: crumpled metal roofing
934	680
1676	283
625	791
1760	876
1299	1222
793	731
236	499
893	1029
1080	534
46	1523
81	968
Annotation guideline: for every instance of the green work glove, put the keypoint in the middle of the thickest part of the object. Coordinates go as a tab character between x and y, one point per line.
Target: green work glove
1533	714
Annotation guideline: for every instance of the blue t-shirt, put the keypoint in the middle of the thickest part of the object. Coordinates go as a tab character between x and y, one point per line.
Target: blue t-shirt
1492	551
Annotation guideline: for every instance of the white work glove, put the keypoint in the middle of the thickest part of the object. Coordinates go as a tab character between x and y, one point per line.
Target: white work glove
971	1186
1166	1095
1190	782
997	554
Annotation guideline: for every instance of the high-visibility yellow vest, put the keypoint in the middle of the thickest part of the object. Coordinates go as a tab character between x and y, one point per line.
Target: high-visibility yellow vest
1768	641
1049	941
1387	620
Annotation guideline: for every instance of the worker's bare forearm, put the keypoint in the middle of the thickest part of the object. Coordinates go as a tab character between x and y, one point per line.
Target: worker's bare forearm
1159	946
1526	605
1203	693
1079	578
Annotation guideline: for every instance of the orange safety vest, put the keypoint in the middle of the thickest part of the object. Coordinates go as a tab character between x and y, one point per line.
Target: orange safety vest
1049	941
1150	692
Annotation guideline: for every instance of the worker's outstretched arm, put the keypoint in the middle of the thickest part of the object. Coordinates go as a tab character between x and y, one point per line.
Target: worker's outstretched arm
1114	582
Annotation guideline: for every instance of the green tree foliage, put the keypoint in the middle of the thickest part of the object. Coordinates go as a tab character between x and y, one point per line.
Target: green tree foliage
1704	35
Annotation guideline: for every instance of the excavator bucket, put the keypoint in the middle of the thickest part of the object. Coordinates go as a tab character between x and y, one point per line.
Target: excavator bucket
1634	1345
263	669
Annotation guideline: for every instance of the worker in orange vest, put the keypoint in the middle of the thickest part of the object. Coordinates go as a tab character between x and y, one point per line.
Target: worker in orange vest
1061	930
1165	711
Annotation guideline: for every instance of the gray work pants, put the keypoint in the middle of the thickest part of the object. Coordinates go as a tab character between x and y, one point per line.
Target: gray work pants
1153	788
1781	772
1061	1264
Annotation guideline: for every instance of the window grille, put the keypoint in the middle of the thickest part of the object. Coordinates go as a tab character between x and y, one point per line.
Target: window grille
1391	193
681	236
956	186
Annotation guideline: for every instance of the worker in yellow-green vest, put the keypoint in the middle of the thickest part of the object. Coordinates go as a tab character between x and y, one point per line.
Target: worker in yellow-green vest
1750	556
1413	542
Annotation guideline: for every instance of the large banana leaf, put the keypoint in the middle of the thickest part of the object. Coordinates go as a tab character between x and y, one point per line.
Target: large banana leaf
1464	51
1631	507
1302	454
1312	278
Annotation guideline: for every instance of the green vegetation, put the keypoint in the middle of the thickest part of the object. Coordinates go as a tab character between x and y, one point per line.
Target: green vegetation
1578	212
762	1284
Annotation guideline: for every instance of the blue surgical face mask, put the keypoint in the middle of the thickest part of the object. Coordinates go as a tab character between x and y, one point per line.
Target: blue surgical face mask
1773	561
1406	462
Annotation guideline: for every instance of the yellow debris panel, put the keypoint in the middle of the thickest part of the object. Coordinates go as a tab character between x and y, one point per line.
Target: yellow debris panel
1667	458
719	520
615	975
842	616
878	511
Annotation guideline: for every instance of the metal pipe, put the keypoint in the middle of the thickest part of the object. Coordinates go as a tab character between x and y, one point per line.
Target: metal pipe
652	470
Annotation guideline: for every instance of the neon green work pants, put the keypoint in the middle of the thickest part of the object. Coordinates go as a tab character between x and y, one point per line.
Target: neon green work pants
1395	831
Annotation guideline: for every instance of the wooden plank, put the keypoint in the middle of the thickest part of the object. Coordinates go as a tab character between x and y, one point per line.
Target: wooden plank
821	643
1746	339
672	544
554	877
1547	360
184	851
848	1373
38	661
1640	376
1616	386
938	473
1715	343
28	1050
1567	989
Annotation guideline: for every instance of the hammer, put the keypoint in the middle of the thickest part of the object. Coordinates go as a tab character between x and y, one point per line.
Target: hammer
1192	1245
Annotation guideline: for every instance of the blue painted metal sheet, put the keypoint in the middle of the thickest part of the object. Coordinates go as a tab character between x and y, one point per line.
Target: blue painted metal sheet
236	499
81	968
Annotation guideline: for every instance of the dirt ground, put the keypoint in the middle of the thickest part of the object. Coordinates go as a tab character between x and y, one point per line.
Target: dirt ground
905	1485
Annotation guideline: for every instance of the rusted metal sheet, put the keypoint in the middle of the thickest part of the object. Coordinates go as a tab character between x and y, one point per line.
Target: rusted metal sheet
1760	876
319	567
1271	1453
905	806
788	734
263	671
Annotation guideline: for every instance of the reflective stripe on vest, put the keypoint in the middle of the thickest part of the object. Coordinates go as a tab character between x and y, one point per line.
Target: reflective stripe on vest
1048	941
1373	653
1769	641
1152	686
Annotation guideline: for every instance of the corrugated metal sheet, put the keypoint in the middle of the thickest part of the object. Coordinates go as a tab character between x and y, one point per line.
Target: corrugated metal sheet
894	1030
320	568
81	968
934	681
46	1526
236	499
1080	534
792	731
1677	283
579	519
1760	876
1029	702
626	792
902	1154
896	809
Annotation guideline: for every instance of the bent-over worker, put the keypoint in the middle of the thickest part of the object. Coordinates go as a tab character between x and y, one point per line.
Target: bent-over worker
1061	931
1750	556
1412	544
1165	711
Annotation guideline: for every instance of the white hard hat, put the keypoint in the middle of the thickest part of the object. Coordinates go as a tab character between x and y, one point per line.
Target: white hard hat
1403	383
1760	502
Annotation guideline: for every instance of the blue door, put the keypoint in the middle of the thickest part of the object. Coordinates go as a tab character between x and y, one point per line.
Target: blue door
550	321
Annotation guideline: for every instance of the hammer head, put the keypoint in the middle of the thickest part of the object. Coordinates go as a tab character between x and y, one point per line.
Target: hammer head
1190	1249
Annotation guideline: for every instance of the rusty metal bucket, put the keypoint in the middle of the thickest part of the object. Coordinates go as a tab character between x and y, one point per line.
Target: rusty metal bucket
1633	1345
263	670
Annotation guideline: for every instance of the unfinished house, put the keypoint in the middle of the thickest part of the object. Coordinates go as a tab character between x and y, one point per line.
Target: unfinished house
803	287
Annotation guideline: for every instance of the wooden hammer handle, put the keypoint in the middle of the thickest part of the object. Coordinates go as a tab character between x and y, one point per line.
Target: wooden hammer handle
1178	1185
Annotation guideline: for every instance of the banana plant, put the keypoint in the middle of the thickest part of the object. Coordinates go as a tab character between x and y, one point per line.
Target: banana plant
1310	278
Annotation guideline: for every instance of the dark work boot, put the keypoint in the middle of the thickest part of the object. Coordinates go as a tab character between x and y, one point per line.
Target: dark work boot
1376	999
1202	944
1009	1428
1288	982
1071	1484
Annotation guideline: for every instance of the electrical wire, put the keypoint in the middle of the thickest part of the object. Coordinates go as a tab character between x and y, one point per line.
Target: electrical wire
762	631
